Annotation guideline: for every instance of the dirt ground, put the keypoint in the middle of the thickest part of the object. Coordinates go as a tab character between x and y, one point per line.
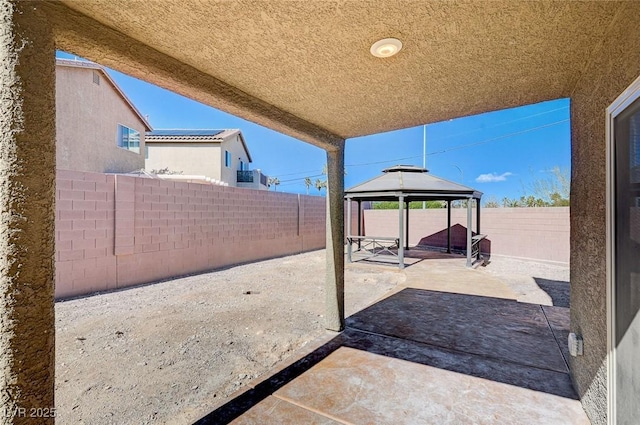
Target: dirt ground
173	351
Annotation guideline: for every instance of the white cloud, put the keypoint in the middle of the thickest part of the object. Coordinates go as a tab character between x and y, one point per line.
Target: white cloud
493	177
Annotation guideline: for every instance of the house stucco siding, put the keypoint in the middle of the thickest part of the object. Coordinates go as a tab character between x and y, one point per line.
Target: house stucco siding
87	121
613	66
199	159
234	146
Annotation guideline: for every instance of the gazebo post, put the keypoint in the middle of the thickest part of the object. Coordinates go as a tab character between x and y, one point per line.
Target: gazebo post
401	233
359	222
406	238
448	226
349	248
469	224
478	224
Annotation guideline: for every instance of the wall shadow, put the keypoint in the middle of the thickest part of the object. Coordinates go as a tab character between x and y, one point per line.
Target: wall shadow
458	240
558	290
495	339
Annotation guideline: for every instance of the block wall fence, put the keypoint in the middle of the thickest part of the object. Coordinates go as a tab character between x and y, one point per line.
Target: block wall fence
535	233
114	231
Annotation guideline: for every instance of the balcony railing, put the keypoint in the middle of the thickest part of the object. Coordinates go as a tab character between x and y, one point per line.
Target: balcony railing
245	176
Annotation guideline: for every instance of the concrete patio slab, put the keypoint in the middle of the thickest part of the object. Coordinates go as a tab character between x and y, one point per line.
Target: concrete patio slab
421	357
490	327
274	411
358	387
451	345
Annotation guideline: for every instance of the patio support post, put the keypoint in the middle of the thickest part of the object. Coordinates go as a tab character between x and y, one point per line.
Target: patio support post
449	226
406	238
469	224
401	233
359	222
349	248
334	286
478	224
27	201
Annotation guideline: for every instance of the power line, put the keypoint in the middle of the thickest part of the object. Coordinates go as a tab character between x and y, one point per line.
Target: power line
505	136
442	138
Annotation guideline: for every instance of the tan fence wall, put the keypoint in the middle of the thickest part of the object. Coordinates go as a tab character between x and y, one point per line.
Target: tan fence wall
116	231
537	233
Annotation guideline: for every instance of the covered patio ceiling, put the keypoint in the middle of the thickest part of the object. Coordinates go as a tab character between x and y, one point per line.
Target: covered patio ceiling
311	60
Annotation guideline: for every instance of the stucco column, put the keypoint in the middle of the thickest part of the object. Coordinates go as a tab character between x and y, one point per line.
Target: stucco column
27	214
334	286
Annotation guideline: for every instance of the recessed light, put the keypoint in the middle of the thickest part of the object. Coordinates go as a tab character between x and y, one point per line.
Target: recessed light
386	47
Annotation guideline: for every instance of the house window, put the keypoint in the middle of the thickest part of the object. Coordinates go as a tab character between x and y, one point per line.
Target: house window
241	165
96	78
128	138
227	159
146	152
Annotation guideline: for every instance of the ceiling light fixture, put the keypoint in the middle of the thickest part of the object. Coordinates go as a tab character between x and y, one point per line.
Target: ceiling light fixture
386	47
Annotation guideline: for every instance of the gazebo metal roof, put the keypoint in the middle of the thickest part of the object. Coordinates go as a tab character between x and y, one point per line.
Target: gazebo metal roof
411	182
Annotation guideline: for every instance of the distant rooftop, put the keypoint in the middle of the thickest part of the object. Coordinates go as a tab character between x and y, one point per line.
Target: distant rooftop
185	132
186	135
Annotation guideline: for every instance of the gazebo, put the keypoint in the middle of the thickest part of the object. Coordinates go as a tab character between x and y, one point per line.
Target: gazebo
407	183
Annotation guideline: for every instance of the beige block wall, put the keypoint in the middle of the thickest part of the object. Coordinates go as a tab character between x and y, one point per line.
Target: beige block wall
536	233
87	116
117	231
198	159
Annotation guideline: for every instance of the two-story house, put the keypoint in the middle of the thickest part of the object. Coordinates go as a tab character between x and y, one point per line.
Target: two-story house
98	128
219	155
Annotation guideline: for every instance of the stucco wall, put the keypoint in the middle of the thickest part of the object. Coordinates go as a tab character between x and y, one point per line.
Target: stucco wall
537	233
87	116
200	159
613	66
117	231
203	159
234	146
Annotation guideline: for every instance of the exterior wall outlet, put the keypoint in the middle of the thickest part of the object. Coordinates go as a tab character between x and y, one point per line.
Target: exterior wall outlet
575	345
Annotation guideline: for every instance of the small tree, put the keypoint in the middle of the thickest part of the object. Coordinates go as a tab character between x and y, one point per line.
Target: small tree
554	191
491	202
510	203
308	183
320	184
275	182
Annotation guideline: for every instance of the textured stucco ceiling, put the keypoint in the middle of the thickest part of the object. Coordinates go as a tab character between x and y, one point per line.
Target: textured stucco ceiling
311	58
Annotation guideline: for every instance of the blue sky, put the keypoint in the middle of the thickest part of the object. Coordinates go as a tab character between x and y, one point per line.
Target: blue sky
498	153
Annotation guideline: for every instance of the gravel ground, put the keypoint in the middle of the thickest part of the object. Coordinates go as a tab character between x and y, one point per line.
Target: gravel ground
173	351
533	281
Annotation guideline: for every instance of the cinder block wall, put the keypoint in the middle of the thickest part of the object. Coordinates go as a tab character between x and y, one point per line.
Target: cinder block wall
536	233
114	231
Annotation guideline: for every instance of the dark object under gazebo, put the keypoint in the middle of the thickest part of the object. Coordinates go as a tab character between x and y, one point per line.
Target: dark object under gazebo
407	183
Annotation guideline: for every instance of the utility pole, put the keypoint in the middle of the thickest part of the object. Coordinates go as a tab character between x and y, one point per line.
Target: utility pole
424	156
